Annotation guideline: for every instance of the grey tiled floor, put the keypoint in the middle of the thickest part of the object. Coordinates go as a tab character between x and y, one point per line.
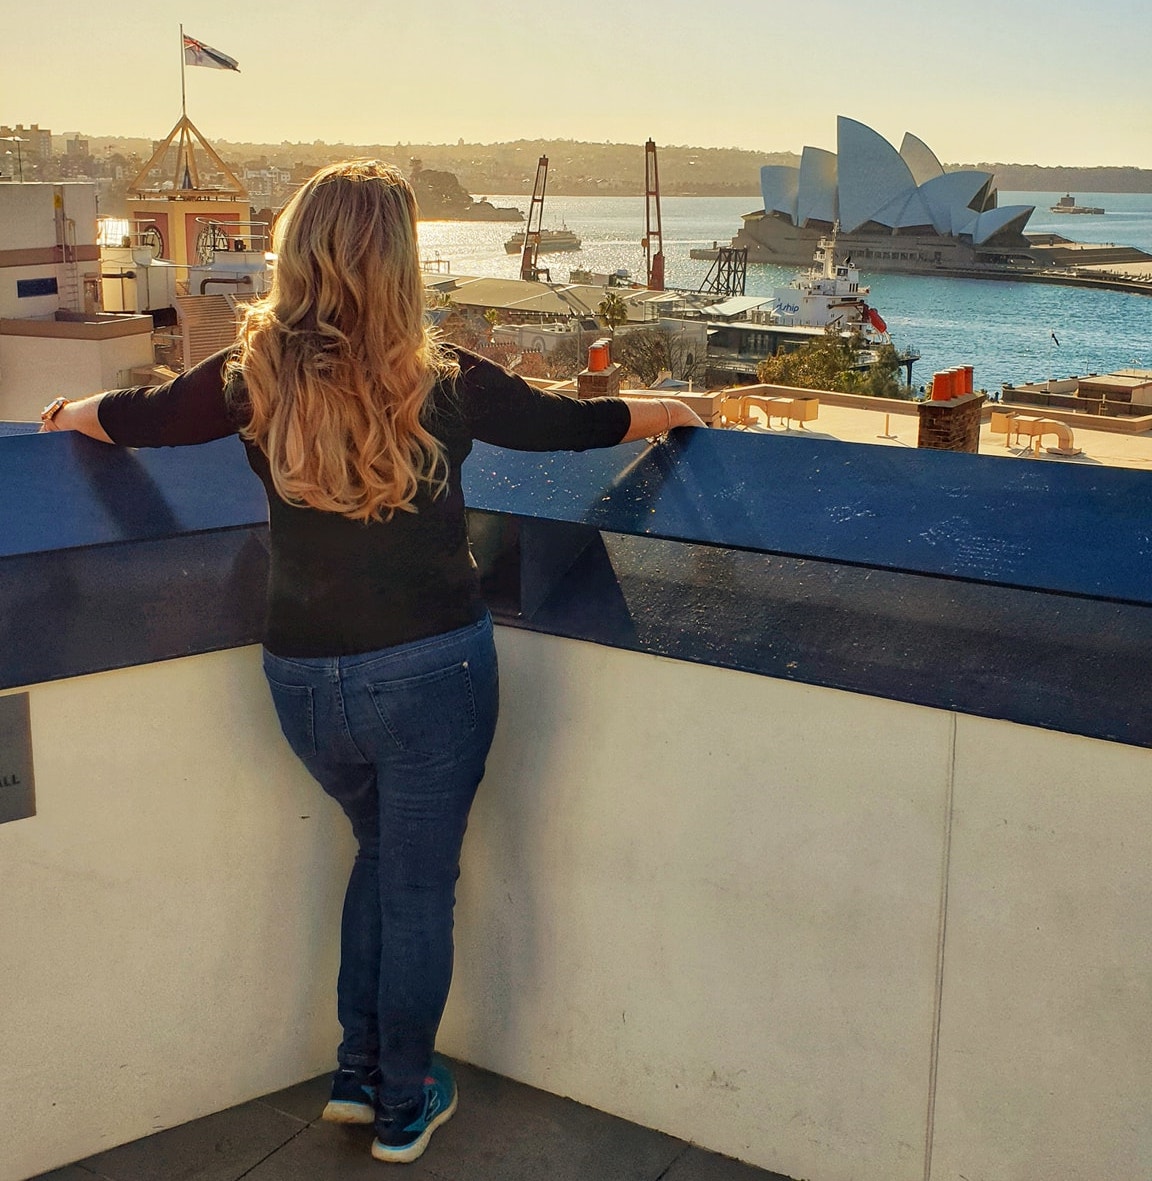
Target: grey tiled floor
503	1131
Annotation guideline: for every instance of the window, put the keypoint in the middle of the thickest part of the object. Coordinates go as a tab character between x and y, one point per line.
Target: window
27	288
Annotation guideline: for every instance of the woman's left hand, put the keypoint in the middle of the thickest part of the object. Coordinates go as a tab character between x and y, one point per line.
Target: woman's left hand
82	416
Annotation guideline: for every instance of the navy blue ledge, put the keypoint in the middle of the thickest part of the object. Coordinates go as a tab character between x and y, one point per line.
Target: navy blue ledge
1075	529
63	491
111	558
1001	588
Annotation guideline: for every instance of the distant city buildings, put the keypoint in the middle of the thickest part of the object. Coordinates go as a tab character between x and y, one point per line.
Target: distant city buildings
268	185
36	141
27	154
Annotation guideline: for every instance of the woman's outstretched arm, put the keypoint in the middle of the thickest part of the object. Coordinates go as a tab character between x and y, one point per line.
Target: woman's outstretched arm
191	408
654	416
82	416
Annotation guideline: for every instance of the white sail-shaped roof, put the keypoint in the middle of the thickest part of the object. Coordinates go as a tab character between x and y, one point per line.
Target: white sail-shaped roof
817	197
948	196
871	173
962	220
996	221
920	158
903	211
869	181
780	186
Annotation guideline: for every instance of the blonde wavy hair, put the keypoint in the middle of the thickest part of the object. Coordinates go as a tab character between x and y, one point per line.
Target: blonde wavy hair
338	359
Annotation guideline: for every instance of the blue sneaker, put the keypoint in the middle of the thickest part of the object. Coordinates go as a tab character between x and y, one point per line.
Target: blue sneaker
353	1098
402	1133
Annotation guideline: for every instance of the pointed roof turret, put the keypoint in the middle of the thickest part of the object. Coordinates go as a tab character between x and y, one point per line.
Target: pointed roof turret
187	147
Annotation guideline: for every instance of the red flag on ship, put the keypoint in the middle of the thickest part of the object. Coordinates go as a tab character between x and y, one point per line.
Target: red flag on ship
877	320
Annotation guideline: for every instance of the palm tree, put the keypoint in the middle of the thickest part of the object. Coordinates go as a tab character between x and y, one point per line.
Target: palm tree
613	310
494	316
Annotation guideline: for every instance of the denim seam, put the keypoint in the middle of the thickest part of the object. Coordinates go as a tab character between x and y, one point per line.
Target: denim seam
424	678
311	700
339	689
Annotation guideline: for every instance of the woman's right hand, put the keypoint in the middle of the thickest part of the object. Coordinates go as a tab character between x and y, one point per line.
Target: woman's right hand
683	414
656	416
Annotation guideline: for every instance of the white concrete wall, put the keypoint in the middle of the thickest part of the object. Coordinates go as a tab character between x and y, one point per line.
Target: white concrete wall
36	369
1046	1030
28	213
169	918
28	222
27	216
707	901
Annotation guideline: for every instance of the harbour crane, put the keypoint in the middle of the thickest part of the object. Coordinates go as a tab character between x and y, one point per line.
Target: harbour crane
653	233
528	265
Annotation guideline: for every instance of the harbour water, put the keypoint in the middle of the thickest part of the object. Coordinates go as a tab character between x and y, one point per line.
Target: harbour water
1006	331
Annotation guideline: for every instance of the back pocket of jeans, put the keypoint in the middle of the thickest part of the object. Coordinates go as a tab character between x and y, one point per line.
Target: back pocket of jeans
432	715
295	710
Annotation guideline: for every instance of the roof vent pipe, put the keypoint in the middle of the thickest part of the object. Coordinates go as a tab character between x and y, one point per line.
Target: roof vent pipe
599	356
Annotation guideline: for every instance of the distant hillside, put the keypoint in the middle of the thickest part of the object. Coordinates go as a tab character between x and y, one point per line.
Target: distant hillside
579	168
574	168
1034	178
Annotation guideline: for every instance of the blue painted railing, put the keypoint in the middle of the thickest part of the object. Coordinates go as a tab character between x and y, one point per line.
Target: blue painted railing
1014	588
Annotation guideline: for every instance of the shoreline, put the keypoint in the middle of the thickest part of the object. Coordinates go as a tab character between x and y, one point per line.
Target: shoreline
1131	286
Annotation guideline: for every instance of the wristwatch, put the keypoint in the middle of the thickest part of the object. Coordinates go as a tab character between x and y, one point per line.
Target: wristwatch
52	409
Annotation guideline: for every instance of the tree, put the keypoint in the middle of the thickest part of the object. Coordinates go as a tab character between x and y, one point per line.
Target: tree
493	316
613	310
647	352
563	360
882	377
833	363
464	327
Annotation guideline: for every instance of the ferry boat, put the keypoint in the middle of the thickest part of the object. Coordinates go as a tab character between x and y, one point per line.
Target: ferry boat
550	241
1067	204
829	297
828	294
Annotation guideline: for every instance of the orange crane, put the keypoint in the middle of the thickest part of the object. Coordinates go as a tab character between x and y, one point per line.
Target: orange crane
653	233
528	266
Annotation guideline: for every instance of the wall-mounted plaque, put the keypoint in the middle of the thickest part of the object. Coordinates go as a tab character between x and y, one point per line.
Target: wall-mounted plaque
17	786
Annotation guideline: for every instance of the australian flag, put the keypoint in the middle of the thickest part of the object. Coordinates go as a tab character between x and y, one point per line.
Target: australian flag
196	53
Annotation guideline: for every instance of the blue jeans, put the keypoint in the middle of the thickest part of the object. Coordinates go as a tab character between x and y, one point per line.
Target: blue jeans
398	738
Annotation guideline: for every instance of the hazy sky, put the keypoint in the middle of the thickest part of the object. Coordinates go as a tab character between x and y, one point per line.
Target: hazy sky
1029	81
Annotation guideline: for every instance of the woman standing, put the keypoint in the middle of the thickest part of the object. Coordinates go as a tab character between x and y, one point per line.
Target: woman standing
378	648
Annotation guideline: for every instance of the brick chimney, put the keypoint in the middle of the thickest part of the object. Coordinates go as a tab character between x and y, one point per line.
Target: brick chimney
602	377
952	425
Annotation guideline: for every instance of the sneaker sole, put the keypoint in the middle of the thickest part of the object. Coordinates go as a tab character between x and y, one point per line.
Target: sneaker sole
347	1111
409	1152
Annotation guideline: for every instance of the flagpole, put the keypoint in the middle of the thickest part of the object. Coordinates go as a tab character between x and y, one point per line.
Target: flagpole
183	96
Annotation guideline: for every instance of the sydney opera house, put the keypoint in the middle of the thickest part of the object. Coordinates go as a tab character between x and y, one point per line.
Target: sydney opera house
894	210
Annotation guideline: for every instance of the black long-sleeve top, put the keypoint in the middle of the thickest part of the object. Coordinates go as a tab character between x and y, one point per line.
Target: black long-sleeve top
337	586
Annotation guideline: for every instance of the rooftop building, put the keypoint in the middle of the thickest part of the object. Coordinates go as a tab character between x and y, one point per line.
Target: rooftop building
35	141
